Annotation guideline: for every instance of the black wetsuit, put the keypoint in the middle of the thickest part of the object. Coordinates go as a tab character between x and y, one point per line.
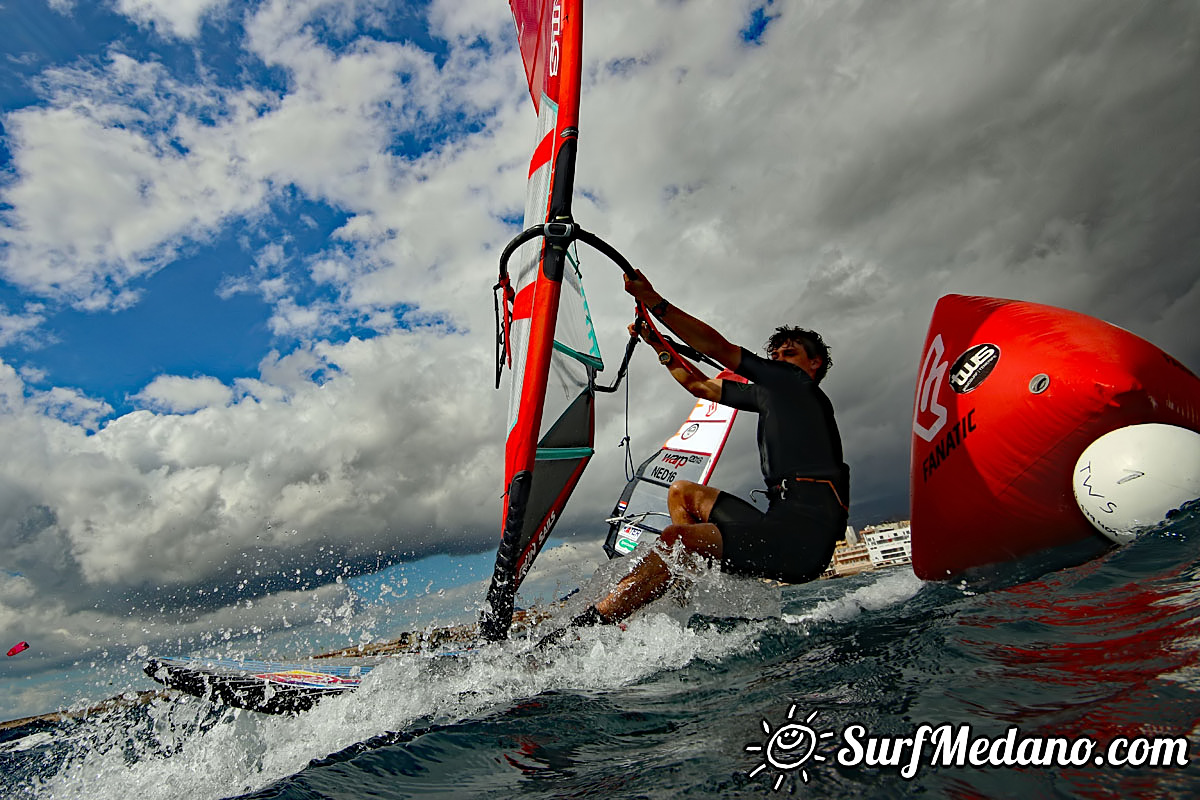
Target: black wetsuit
807	480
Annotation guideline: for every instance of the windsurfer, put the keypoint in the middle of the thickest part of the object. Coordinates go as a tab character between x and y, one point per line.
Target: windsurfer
801	457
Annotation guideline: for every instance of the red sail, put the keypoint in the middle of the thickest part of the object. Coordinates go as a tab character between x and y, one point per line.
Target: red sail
550	429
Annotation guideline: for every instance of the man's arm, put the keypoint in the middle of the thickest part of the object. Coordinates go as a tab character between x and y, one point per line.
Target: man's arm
685	372
695	332
691	378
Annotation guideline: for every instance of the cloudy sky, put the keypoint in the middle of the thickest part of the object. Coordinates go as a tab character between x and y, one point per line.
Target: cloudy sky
247	250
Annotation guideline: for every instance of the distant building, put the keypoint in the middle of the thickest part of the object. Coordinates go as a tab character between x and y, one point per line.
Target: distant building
874	547
889	544
850	557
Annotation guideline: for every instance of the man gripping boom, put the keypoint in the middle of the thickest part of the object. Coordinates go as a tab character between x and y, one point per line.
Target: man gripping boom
800	450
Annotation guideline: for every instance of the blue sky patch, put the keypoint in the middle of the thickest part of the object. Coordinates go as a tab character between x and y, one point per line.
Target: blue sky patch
180	327
208	311
760	18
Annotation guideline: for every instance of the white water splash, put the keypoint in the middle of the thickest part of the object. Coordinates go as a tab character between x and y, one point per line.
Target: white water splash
890	588
178	751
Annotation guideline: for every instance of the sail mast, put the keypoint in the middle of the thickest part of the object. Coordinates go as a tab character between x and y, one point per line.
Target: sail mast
546	451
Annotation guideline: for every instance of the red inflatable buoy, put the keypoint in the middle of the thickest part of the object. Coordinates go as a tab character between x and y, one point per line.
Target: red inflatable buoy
1008	396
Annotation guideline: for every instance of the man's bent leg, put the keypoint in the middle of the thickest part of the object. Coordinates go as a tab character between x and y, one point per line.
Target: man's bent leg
690	503
650	579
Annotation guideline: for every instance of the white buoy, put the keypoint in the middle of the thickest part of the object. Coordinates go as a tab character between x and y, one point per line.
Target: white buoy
1130	479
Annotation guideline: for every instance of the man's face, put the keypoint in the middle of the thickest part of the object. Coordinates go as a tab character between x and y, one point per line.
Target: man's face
794	353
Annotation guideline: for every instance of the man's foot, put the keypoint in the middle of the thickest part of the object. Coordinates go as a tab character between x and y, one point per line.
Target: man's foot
588	617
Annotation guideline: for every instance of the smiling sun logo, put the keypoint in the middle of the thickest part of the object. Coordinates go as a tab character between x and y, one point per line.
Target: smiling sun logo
788	748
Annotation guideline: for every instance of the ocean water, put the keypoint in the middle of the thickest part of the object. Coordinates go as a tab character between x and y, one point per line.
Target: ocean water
672	708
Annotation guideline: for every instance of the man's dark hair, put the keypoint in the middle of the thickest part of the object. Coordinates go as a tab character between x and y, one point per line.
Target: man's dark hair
811	341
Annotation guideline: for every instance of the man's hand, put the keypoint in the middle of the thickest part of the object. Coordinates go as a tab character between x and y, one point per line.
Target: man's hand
642	291
646	334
